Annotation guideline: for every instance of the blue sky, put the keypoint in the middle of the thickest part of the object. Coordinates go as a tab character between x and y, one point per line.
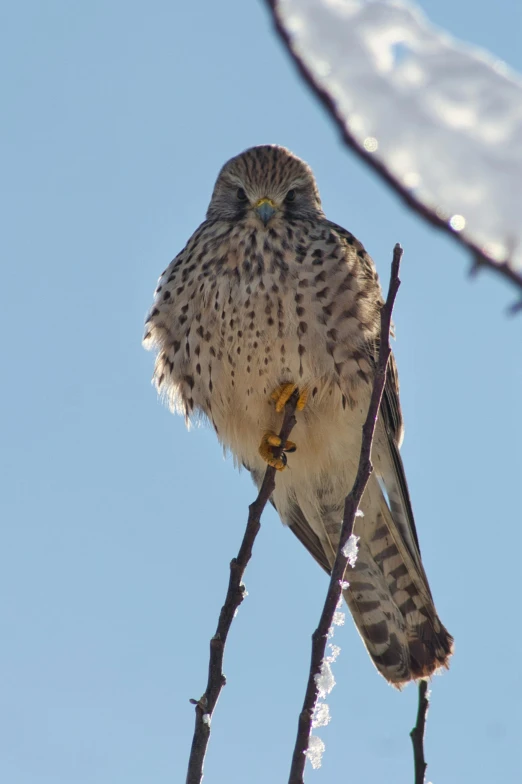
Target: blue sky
118	525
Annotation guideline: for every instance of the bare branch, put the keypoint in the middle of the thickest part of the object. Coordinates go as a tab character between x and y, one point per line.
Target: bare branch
320	635
479	259
235	594
417	734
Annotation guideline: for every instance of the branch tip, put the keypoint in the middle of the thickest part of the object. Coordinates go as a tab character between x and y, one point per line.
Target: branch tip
417	734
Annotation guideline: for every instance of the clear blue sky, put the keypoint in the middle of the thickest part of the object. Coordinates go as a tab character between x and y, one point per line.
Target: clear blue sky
118	525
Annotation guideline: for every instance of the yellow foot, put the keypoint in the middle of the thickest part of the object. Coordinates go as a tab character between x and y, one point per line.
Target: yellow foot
283	393
268	442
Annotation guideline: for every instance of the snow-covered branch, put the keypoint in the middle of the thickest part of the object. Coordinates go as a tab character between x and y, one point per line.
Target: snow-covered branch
439	120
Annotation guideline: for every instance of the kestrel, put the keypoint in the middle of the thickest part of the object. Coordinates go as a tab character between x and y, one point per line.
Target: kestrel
269	296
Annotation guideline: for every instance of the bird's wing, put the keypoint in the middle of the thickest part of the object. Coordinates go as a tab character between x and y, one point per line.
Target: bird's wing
389	466
390	428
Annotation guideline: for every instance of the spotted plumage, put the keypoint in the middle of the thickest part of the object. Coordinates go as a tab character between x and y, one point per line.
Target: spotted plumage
268	292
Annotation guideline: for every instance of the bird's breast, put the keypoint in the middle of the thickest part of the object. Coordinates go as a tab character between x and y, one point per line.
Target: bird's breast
242	313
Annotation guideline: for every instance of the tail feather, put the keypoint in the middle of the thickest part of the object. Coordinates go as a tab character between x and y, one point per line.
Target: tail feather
388	594
406	598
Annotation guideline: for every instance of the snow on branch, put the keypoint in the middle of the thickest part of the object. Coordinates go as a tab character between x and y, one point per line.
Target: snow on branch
439	120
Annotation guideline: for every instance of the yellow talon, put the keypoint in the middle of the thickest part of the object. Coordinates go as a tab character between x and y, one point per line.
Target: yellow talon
303	399
269	441
282	395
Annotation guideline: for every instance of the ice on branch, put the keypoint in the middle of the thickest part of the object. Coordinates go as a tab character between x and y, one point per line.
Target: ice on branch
321	715
338	618
206	718
325	680
351	549
315	751
444	119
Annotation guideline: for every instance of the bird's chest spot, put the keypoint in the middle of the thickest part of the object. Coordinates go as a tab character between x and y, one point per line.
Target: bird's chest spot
261	315
254	324
254	342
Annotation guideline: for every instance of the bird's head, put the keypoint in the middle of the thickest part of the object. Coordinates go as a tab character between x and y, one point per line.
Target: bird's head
265	184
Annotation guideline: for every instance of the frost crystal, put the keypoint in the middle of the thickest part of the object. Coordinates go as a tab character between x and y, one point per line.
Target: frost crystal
344	584
206	718
325	680
351	549
321	715
359	513
338	619
315	751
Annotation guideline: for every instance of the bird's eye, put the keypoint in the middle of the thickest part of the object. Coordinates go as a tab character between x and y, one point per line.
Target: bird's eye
241	195
290	196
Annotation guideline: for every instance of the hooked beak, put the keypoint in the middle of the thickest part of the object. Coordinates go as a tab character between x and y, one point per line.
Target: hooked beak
265	208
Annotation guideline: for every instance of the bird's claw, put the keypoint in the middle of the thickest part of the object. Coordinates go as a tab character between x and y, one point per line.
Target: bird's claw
282	394
266	450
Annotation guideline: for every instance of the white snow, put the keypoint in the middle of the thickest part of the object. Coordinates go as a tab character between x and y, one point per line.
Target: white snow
445	118
321	715
338	618
315	751
325	680
206	718
351	549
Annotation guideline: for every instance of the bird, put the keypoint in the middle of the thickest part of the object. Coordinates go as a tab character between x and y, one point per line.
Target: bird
269	298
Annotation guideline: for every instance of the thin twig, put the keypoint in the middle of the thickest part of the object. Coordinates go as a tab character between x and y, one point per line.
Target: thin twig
320	636
417	734
235	594
479	258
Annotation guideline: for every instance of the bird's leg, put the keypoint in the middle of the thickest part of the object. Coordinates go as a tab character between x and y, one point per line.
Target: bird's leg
269	441
284	392
280	396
